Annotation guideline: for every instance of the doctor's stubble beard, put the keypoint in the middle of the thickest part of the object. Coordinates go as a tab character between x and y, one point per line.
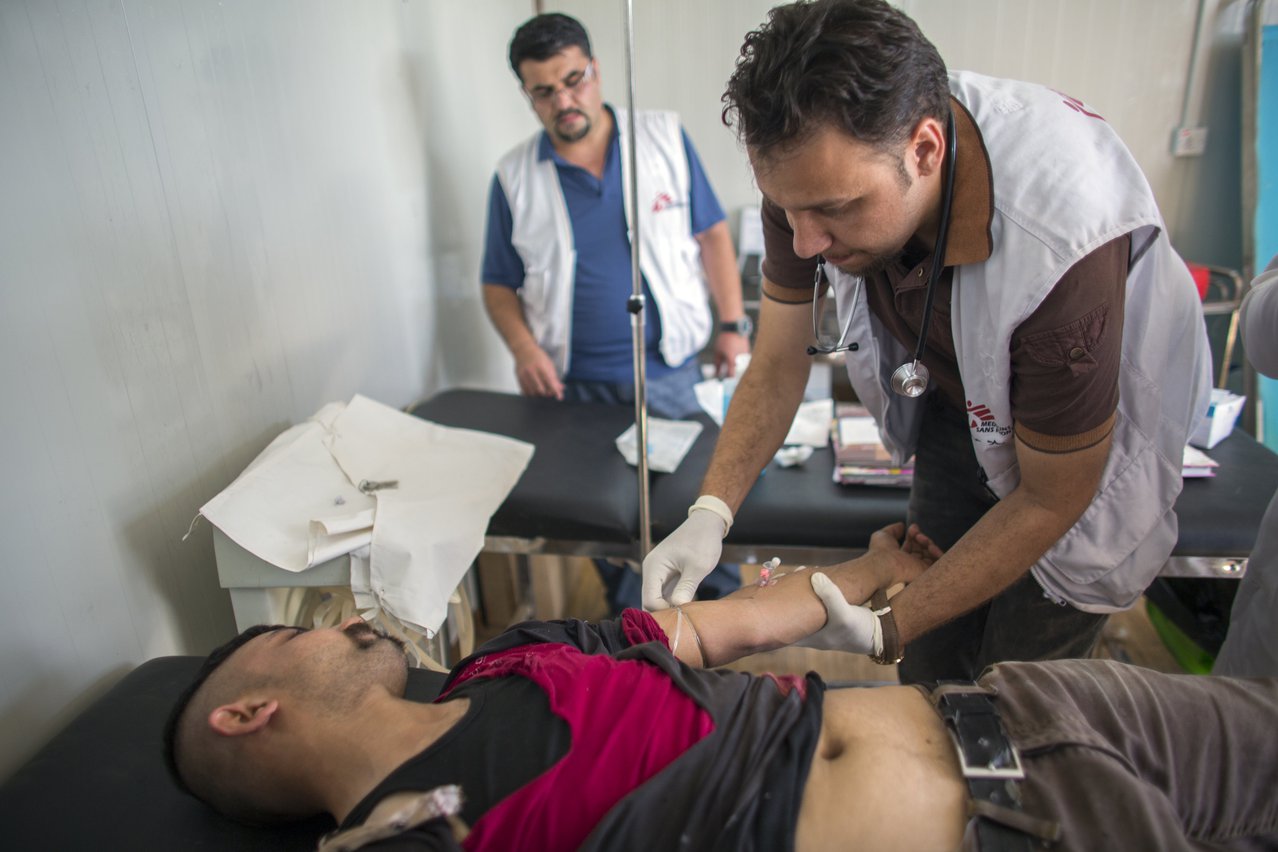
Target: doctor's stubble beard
577	134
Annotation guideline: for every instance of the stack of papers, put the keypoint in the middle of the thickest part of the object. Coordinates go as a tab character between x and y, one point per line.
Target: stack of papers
1197	464
859	455
668	442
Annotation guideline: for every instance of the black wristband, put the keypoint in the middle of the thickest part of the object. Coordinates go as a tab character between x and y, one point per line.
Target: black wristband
743	326
893	650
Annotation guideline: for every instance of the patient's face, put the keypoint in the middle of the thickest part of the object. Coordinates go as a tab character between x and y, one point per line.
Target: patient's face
333	667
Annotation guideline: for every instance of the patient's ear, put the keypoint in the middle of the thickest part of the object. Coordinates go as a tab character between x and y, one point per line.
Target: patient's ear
246	716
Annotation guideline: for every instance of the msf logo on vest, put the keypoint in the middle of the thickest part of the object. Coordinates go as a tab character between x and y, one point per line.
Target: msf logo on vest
663	201
983	424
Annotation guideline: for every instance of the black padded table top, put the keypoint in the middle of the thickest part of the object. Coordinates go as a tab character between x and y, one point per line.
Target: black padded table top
793	507
1221	515
578	487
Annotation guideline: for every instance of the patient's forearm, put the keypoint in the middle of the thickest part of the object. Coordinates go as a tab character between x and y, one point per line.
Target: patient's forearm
755	618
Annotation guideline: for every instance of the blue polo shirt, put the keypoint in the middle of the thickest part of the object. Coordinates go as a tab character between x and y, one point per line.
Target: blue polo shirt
600	343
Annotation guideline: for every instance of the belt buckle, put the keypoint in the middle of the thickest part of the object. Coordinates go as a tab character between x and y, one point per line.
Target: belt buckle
1015	772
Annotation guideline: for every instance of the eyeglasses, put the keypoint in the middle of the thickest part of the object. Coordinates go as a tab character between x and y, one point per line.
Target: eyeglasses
818	305
542	95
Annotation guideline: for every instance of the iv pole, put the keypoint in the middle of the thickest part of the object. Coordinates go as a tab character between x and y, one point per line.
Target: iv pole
635	304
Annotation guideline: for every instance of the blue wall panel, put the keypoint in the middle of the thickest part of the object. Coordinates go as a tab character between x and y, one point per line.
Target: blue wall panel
1266	224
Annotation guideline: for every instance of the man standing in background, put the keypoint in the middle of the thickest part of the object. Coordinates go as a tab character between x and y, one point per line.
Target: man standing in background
557	265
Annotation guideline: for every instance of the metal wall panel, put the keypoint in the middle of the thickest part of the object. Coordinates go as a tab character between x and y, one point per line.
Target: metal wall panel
214	221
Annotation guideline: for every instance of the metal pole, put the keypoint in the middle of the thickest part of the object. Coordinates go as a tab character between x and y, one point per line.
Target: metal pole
636	303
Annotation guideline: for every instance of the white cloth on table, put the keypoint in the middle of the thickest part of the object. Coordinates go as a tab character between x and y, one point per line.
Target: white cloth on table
299	503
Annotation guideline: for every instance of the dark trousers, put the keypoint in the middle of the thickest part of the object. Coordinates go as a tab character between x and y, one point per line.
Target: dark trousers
948	497
669	397
1127	758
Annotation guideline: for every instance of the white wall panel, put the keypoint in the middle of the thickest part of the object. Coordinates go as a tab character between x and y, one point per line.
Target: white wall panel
214	222
471	110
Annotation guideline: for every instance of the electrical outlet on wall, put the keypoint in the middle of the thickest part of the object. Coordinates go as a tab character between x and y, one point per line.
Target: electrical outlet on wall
1189	141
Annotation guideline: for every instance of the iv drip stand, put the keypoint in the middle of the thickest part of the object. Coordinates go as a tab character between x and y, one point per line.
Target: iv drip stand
635	305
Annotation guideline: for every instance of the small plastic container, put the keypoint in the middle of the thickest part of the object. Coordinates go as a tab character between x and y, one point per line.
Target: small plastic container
1219	422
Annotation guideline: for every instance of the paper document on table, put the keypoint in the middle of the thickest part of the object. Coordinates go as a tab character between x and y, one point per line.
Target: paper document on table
858	430
1196	464
668	442
811	426
710	395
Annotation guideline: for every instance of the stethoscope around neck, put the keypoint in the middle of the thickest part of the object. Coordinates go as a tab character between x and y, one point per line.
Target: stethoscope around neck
911	378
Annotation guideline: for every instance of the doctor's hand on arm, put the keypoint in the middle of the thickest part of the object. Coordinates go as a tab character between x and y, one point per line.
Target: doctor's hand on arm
856	629
762	410
790	608
534	369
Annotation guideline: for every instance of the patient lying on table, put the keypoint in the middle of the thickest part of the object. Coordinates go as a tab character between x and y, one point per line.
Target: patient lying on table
566	735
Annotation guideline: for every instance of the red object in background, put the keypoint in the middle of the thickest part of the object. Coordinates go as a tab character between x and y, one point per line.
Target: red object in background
1202	277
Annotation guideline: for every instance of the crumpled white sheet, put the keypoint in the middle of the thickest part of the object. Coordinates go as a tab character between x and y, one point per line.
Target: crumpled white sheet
299	504
668	442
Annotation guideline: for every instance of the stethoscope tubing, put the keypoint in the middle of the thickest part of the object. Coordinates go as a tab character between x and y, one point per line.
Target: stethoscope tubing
934	274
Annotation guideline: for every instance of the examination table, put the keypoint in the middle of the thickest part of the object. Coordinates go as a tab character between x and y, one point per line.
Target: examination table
101	783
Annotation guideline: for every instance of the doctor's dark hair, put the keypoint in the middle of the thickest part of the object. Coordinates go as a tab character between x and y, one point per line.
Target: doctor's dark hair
545	35
860	66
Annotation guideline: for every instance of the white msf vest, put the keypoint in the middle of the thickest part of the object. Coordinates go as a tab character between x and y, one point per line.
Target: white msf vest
1064	185
669	256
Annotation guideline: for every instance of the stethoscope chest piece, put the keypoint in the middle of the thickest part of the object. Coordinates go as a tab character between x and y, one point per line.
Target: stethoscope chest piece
910	379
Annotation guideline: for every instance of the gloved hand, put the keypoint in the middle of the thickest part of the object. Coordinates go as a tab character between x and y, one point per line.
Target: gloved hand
675	568
847	627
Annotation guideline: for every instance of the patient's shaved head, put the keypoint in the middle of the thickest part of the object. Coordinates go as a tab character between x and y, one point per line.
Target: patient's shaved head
320	674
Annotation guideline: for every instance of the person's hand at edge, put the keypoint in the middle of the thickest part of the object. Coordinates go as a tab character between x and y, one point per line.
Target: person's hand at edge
536	373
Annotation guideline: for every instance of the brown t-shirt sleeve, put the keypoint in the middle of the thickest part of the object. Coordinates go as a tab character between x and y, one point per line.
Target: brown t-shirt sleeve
1066	355
786	276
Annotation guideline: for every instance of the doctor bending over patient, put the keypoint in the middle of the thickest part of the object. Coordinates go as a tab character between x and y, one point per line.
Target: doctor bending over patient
999	235
613	736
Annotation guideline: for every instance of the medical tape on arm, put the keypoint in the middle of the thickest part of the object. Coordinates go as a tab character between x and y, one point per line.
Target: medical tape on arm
710	503
674	646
